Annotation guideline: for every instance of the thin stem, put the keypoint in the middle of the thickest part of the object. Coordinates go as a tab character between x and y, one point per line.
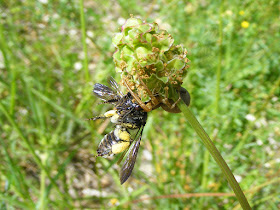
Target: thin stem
217	99
83	29
215	154
218	72
43	187
11	70
205	169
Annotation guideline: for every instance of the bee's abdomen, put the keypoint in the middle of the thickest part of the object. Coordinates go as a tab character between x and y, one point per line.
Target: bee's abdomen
105	146
114	142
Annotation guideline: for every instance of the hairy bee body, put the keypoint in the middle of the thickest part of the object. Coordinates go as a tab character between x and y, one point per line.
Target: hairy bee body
114	142
130	114
126	115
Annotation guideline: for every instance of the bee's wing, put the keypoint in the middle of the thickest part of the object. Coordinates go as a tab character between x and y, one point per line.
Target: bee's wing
114	85
129	162
105	93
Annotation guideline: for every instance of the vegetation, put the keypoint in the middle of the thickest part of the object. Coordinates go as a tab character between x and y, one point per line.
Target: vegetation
47	69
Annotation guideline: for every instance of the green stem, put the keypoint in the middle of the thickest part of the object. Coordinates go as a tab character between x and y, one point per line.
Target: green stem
43	186
83	29
11	70
218	93
215	154
218	72
206	158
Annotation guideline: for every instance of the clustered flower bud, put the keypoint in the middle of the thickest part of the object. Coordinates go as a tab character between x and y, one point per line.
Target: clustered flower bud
147	55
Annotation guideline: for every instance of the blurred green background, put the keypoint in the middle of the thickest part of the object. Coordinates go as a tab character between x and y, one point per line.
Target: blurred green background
47	148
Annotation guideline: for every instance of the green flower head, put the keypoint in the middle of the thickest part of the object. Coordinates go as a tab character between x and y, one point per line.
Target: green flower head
149	60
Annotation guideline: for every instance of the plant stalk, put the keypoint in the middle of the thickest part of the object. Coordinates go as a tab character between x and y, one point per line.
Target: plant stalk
215	154
84	36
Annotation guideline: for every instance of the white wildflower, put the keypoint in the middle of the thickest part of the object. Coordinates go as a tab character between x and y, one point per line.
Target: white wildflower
90	34
72	32
44	1
259	142
78	66
250	117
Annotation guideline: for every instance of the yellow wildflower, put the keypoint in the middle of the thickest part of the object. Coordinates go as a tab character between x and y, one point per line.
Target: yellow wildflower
241	12
114	201
245	24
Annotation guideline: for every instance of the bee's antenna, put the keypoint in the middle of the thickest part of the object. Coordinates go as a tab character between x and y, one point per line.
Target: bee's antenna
93	118
96	118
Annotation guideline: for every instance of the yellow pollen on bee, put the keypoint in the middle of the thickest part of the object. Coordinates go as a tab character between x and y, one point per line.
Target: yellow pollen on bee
123	135
110	113
114	118
128	125
113	114
118	148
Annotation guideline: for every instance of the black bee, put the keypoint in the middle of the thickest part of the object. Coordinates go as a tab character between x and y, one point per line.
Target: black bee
127	115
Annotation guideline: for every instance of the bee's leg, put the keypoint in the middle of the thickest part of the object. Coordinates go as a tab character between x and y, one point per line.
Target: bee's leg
154	100
166	100
111	101
96	118
113	114
110	114
184	95
168	104
145	107
175	103
126	114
